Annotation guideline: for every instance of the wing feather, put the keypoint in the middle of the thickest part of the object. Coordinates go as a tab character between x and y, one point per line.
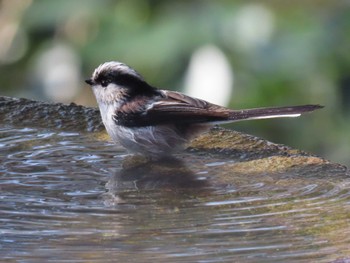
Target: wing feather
177	107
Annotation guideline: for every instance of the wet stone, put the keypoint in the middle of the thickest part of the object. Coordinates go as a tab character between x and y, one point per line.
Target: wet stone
29	113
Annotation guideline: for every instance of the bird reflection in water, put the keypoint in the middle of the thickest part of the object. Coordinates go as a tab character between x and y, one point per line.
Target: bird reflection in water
164	174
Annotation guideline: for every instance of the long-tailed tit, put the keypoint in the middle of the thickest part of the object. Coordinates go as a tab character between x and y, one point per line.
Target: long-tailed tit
156	122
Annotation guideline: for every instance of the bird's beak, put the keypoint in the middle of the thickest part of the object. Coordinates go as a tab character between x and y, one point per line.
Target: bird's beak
90	82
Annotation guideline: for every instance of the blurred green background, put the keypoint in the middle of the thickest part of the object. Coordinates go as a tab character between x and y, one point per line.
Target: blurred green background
253	53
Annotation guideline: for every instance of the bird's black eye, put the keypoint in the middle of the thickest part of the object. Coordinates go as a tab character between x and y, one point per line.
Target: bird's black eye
105	82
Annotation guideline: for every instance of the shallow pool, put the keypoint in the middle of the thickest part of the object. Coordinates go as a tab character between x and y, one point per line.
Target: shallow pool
70	197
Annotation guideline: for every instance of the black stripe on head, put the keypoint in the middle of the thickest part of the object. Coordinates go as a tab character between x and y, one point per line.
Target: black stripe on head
135	85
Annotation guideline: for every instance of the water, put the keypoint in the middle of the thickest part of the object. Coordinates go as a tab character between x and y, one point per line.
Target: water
70	197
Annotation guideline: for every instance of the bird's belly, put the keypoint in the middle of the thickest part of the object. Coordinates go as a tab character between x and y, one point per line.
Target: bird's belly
149	140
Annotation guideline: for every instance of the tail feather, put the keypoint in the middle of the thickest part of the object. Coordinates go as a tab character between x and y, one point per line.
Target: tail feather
275	112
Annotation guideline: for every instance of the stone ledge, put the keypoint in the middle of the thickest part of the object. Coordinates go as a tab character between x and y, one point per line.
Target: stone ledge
252	154
29	113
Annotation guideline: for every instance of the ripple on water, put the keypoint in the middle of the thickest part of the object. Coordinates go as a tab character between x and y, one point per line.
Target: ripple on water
64	191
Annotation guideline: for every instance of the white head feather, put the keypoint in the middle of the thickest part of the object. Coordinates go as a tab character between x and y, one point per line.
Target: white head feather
114	66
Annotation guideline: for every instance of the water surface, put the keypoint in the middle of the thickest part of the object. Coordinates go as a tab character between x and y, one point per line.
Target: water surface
69	197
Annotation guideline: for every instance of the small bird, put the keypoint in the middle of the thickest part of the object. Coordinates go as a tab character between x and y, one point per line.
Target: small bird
157	123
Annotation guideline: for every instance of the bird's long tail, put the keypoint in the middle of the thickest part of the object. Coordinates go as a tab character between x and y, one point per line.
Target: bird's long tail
273	112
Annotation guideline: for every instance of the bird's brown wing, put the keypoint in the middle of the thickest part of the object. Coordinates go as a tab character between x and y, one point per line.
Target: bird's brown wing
179	108
169	107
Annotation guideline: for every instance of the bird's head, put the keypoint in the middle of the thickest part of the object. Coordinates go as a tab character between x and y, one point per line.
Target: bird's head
113	81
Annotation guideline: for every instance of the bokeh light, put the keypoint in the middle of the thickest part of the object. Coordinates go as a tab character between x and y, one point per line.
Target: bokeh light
262	53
